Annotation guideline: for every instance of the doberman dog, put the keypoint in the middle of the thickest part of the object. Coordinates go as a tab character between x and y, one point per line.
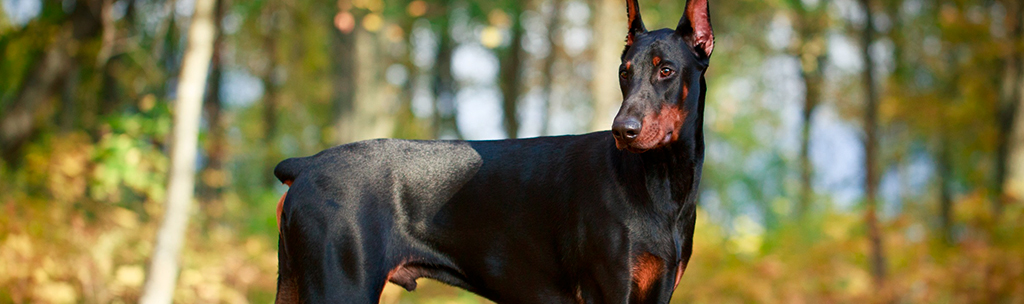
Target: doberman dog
605	217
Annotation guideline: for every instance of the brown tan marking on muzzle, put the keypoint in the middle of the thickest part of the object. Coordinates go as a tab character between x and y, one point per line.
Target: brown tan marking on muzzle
659	129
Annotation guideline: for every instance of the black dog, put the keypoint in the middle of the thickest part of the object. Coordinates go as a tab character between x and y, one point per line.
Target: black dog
605	217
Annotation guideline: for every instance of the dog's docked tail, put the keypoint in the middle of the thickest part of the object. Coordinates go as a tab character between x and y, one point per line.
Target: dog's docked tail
286	172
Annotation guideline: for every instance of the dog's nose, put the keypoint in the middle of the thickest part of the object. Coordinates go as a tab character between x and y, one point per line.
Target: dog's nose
627	129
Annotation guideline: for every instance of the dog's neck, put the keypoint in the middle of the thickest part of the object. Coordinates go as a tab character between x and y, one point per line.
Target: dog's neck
677	167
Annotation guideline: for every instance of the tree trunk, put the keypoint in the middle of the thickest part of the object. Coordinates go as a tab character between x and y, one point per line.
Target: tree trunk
214	176
813	79
343	72
163	269
375	101
1009	181
108	99
69	109
167	36
37	89
806	170
407	125
945	193
878	266
270	98
110	56
445	86
19	119
549	65
511	76
609	25
810	50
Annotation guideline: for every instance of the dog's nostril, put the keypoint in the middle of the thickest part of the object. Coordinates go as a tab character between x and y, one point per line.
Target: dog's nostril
626	129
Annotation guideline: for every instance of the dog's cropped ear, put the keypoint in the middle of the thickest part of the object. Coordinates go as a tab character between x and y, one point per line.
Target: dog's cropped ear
695	28
636	24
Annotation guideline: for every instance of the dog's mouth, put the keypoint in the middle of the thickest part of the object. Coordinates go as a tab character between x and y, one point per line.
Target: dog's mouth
659	129
648	140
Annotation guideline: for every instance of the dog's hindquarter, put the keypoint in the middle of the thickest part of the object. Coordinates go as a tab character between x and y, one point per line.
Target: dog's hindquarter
347	204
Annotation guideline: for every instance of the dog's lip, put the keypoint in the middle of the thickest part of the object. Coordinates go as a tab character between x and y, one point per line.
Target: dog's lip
633	146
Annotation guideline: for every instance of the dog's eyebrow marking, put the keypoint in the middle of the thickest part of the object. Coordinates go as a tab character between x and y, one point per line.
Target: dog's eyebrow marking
629	64
656	60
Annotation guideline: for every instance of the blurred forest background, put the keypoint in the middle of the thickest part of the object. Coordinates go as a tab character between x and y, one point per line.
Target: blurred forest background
857	150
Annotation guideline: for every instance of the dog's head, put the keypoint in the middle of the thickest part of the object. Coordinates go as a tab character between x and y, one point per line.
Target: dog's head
661	77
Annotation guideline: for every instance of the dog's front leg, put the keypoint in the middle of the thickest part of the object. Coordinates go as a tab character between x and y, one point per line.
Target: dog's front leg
608	277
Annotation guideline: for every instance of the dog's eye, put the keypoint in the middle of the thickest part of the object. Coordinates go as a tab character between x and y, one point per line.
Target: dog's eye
622	74
665	72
